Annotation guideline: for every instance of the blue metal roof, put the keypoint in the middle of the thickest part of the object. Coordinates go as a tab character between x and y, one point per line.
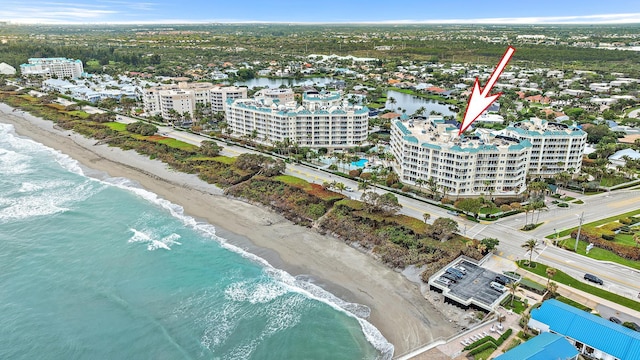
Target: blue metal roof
599	333
542	347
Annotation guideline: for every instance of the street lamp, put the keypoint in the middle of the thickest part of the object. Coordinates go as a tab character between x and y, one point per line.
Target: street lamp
578	234
556	231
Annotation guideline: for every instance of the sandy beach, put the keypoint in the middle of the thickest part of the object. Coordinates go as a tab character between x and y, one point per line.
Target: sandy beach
398	309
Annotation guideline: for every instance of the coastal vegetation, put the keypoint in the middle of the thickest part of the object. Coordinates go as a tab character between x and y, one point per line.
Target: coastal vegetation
371	223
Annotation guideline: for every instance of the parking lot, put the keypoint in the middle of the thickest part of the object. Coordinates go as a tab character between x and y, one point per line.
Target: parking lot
473	288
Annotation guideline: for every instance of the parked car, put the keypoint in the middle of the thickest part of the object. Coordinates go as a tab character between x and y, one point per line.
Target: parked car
461	269
451	277
494	285
443	280
455	272
615	320
451	212
503	280
593	278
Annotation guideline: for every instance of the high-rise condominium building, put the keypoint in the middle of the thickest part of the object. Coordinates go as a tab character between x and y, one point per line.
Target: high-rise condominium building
484	163
49	67
323	119
555	148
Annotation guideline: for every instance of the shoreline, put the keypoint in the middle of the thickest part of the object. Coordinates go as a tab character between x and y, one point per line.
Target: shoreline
398	309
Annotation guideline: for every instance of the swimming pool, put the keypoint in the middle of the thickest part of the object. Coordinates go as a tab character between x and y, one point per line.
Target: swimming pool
360	163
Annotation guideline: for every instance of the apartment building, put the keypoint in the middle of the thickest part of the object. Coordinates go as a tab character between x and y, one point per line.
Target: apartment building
555	148
322	120
483	163
50	67
184	96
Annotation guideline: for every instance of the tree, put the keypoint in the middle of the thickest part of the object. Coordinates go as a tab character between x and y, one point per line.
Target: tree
210	148
426	217
363	185
526	316
531	246
386	203
490	243
432	185
443	229
469	205
392	178
551	272
513	287
340	187
552	287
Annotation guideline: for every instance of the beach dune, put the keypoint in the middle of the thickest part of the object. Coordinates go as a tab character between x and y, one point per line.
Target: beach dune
398	309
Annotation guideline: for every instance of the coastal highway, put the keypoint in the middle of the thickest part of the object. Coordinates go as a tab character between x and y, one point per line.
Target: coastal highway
617	278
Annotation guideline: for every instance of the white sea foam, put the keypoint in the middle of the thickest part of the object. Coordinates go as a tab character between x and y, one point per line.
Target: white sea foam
372	334
153	244
13	163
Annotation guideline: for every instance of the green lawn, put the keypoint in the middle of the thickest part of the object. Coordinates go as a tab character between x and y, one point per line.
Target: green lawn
293	181
177	144
600	254
518	305
563	278
572	303
117	126
489	210
484	355
578	202
225	159
79	114
612	181
595	223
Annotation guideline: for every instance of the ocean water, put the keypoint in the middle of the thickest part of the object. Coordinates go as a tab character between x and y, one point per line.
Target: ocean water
102	269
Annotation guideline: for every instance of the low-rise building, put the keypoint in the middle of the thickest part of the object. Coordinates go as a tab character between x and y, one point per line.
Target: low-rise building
183	97
593	336
322	120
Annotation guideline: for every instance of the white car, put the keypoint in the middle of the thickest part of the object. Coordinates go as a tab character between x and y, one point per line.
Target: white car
496	286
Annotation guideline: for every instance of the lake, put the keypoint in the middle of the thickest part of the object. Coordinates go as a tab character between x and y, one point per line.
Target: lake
412	103
275	83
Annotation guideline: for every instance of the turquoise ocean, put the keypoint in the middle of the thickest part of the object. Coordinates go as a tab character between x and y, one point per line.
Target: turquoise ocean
102	269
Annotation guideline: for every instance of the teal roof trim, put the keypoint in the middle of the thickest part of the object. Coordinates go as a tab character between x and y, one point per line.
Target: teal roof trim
403	128
411	139
431	146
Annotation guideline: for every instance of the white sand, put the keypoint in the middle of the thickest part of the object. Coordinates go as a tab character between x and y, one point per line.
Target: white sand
398	309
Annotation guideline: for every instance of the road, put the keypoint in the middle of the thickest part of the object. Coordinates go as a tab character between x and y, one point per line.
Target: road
617	278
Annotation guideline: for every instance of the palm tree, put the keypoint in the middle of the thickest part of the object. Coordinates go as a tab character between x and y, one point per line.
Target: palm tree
420	182
526	316
340	187
553	287
392	100
551	272
426	217
513	288
532	247
432	185
363	185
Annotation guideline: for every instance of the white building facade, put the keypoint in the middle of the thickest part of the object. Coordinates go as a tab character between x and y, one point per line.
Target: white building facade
49	67
461	166
183	97
555	148
323	119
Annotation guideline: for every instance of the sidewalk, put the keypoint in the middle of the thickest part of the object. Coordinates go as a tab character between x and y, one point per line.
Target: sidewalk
580	296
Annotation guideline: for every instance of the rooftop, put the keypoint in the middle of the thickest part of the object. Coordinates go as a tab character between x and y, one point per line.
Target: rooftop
599	333
542	347
435	132
538	127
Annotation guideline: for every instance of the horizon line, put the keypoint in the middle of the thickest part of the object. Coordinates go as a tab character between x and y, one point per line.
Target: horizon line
595	19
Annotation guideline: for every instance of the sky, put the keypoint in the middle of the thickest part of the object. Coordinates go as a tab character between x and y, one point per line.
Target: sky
321	11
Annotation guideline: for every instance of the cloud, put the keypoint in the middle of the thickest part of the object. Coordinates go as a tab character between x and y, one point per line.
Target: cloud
583	19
